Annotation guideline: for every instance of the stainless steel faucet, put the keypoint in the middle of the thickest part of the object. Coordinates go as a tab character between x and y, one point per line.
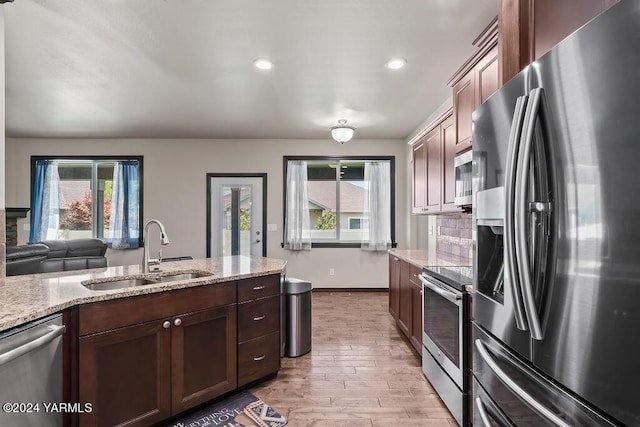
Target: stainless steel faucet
164	240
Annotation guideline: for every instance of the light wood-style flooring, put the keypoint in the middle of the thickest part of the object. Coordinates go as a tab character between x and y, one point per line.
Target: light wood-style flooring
360	372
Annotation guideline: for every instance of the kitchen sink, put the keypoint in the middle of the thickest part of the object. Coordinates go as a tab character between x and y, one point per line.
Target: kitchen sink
151	279
118	284
174	277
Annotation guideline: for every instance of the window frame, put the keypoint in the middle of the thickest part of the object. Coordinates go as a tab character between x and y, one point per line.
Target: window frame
336	244
99	158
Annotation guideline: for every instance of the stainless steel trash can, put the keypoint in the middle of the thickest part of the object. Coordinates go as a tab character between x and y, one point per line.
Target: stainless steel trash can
298	302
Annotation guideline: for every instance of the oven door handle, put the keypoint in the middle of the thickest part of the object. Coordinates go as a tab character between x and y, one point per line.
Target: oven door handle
451	296
538	407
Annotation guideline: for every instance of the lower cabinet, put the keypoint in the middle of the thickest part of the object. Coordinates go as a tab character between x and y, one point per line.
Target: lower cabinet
258	328
203	356
416	314
126	375
405	293
146	358
394	285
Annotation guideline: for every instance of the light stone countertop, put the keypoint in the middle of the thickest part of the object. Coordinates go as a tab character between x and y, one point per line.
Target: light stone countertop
29	297
426	258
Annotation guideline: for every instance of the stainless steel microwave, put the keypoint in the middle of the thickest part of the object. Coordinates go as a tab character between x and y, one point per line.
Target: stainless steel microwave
462	163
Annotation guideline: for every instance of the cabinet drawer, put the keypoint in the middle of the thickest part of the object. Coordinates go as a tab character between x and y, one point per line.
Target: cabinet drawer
258	287
258	358
257	318
119	312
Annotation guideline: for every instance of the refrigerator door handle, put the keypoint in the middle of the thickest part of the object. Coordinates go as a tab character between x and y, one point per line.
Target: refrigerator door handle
538	407
482	411
520	214
511	169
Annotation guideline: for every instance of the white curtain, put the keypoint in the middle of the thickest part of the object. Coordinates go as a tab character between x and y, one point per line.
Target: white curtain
297	230
377	206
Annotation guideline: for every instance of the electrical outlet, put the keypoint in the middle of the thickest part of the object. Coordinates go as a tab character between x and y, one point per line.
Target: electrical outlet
332	272
431	230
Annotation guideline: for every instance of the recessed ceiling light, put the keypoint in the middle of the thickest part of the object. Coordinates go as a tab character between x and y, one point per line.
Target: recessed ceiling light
263	64
395	64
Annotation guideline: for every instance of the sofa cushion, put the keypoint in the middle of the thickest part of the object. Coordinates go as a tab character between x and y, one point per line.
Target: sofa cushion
26	251
68	264
25	259
86	247
57	248
75	247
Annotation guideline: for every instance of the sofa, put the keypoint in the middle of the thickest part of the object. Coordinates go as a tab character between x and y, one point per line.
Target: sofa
55	255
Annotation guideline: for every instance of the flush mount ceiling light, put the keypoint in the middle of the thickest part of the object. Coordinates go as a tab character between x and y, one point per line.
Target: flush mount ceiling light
395	64
263	64
342	133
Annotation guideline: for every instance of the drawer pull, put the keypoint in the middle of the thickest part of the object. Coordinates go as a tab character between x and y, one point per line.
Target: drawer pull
259	318
258	288
259	358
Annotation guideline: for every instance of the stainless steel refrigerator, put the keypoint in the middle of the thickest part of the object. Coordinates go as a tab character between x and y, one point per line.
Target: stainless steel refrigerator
556	303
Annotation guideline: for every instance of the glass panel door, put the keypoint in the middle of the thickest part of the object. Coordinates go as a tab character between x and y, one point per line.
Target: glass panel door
236	216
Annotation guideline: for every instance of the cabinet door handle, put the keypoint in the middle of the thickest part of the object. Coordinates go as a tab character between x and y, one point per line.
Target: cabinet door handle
259	358
177	322
258	288
166	324
259	318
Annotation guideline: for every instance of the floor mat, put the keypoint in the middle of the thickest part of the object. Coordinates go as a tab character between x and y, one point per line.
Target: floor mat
240	410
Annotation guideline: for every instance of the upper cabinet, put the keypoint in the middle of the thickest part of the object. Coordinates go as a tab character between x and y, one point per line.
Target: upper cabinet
473	83
530	28
433	168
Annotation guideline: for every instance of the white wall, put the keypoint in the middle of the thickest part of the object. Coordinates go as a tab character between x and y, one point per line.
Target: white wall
174	192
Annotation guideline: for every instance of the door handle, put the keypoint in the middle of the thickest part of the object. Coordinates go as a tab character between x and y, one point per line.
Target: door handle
520	215
484	416
538	407
259	318
509	229
54	332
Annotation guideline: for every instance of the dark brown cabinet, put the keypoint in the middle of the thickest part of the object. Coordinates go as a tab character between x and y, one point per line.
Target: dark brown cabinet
405	291
258	328
419	160
143	359
448	176
433	167
404	313
433	140
394	286
530	28
203	355
473	84
464	102
416	309
126	375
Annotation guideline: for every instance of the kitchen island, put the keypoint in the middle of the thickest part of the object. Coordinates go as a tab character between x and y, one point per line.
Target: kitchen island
194	331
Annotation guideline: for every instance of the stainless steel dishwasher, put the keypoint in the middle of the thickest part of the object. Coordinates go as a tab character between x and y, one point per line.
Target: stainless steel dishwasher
31	373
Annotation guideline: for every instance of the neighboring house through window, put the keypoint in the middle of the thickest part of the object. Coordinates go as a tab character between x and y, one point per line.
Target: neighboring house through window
85	197
336	191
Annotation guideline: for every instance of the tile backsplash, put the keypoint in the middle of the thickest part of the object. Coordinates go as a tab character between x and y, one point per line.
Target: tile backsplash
453	235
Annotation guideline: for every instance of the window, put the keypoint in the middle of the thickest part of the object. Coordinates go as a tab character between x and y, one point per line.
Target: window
336	191
87	197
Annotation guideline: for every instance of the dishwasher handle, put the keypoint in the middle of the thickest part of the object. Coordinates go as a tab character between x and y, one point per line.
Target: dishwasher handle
54	332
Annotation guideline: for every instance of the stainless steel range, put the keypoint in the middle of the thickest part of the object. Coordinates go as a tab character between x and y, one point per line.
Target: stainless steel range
445	358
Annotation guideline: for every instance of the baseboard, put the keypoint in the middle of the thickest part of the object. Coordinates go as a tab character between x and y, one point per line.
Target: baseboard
351	290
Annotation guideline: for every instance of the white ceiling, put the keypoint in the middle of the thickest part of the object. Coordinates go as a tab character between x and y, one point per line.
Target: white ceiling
183	68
